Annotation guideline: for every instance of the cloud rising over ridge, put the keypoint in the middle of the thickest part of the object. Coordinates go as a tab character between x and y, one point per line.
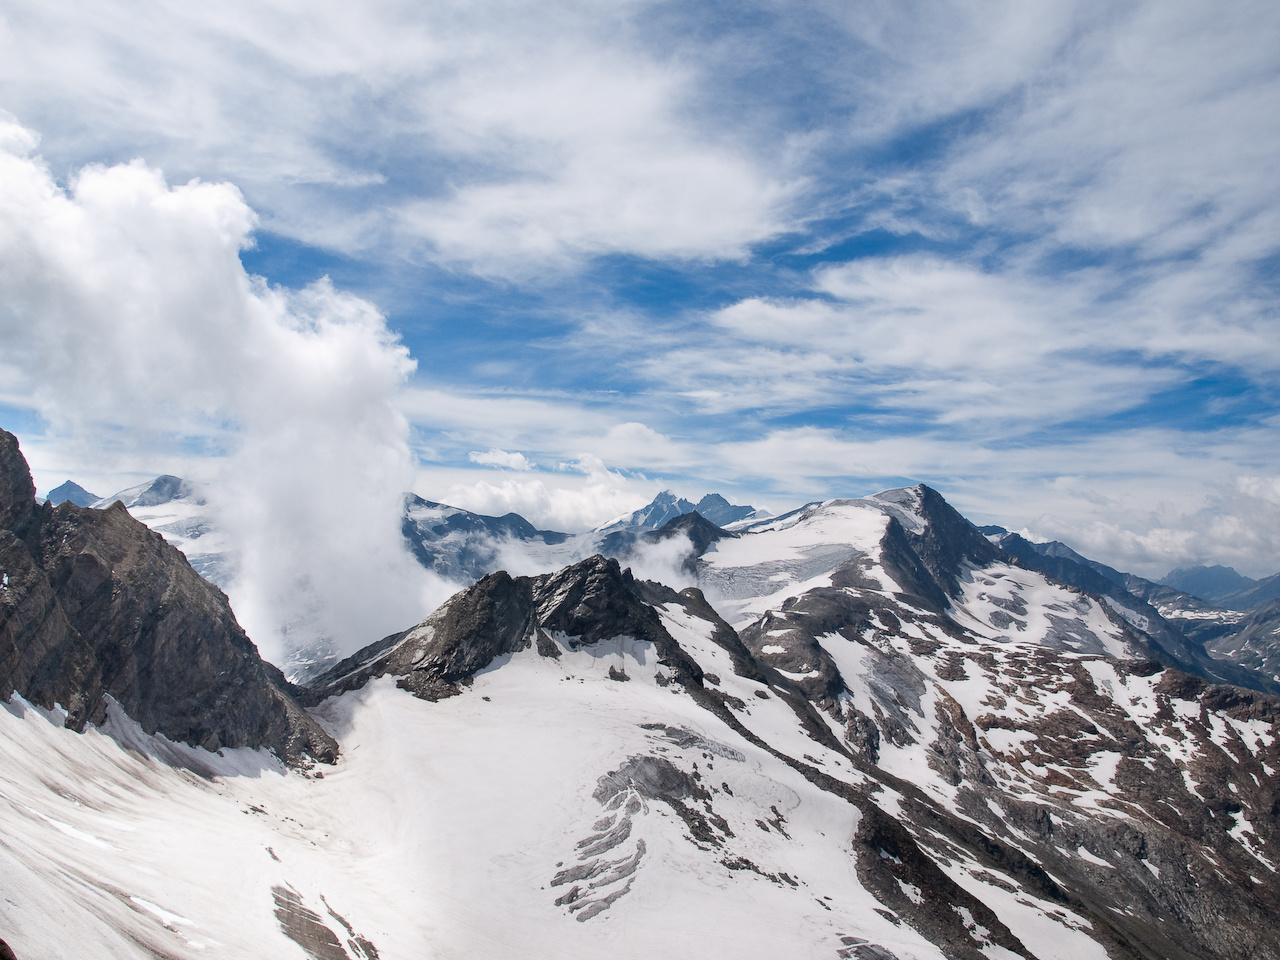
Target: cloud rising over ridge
131	327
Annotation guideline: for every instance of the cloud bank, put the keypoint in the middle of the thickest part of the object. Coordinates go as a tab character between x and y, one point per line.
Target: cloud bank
131	327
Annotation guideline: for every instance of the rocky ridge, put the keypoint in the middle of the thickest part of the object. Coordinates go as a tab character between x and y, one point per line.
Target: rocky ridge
95	607
1008	741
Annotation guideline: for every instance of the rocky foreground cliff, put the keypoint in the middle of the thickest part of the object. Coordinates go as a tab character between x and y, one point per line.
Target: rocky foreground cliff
95	607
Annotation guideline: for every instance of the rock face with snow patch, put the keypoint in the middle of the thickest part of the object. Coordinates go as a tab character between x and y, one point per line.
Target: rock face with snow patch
179	511
576	607
1255	643
666	507
464	546
1181	629
95	605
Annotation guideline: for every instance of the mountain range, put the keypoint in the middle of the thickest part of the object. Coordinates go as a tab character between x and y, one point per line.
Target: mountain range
1224	587
870	731
1234	639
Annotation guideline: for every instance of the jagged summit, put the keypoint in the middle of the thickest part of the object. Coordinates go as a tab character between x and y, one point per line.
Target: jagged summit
577	607
666	506
721	512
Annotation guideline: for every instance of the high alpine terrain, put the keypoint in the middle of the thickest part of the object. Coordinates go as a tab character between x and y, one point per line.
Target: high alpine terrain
868	732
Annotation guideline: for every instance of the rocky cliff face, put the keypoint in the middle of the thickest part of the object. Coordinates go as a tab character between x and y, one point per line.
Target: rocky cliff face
95	605
573	608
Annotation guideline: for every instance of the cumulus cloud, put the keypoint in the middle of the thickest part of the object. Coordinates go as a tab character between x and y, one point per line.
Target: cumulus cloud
666	561
501	458
582	495
1235	524
132	328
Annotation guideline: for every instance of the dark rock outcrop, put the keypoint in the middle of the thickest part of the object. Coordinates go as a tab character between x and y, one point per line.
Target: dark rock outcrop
582	604
947	541
95	605
1255	642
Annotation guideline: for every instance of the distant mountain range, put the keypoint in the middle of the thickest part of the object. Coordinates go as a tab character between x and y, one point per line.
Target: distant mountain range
1229	623
666	506
870	732
1223	587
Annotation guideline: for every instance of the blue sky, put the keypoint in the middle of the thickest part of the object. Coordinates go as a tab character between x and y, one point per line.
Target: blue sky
1025	252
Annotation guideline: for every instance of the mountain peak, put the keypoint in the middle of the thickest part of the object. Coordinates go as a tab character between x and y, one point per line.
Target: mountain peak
73	492
17	492
98	609
666	506
1213	583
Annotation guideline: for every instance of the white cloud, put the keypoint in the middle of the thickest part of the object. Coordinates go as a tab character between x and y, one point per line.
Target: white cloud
507	135
664	561
1107	170
1238	525
501	458
583	495
917	337
130	326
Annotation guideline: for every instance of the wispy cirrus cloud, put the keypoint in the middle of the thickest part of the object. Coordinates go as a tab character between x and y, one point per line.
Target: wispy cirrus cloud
507	137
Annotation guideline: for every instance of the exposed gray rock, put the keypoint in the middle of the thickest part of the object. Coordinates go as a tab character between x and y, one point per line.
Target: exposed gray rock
1255	642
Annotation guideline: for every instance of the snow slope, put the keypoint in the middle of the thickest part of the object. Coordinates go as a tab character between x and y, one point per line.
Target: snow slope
868	737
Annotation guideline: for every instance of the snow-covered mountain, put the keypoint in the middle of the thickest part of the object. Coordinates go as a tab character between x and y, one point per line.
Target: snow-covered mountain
457	544
1253	642
464	546
869	733
666	506
1212	639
